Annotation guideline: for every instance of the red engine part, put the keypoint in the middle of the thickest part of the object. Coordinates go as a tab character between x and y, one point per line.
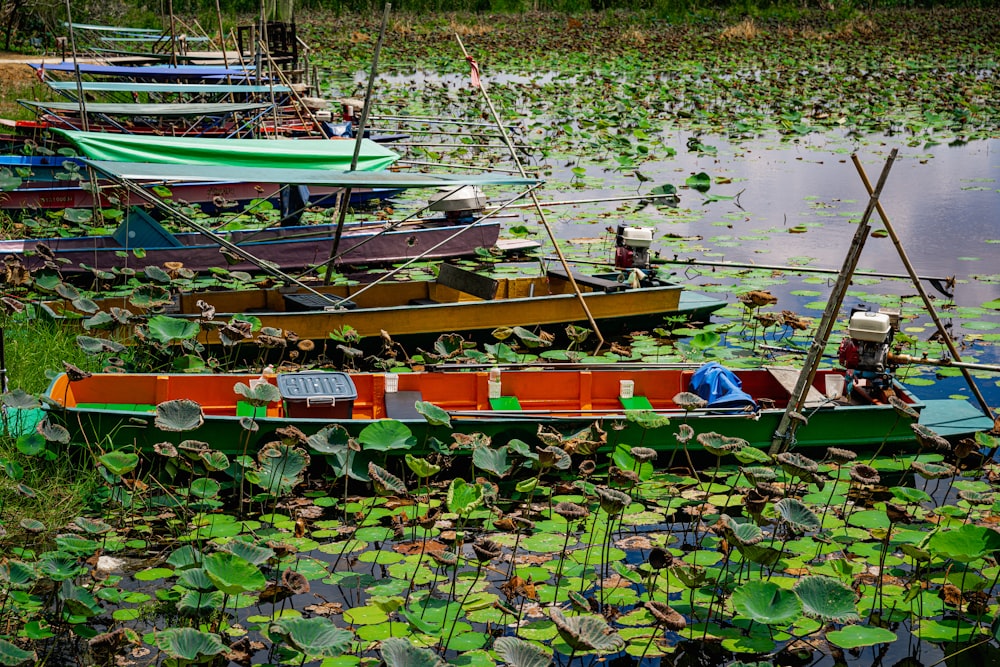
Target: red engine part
848	354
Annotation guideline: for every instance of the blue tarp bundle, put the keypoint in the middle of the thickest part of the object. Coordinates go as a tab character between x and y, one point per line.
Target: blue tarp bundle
721	388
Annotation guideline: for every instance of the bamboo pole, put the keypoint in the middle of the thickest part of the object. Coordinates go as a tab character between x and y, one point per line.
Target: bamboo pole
345	201
949	343
534	197
785	434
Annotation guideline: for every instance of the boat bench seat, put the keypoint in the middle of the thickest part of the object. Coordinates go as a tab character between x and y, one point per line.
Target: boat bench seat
505	403
593	282
468	282
400	405
636	403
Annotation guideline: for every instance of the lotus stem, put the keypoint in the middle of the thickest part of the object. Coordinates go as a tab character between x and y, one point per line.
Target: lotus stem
562	559
586	554
479	569
642	656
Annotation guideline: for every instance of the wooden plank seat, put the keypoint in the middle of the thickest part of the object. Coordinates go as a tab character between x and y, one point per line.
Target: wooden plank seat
468	282
593	282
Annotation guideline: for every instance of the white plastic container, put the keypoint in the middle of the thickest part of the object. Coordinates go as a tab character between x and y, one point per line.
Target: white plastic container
834	386
626	388
494	391
391	383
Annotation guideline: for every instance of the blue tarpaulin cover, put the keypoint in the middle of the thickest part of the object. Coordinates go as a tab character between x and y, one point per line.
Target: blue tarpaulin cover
721	388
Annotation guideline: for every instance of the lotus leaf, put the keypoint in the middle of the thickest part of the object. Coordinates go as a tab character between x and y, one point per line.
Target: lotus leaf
316	636
205	487
587	633
17	574
491	460
166	330
766	602
519	653
93	345
797	515
196	579
179	415
858	636
399	652
53	432
434	415
751	455
281	468
59	566
827	599
908	494
964	544
31	444
258	394
214	460
386	435
11	655
233	575
20	400
385	482
933	470
421	467
329	439
200	603
78	600
463	497
188	643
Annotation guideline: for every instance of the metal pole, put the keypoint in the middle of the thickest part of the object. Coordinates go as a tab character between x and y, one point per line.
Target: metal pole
924	361
346	198
76	69
534	199
784	435
765	267
949	343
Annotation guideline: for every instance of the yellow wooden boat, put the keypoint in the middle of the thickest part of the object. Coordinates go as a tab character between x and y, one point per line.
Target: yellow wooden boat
458	301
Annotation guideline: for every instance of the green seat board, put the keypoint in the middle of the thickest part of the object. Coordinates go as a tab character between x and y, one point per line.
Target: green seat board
636	403
244	409
505	403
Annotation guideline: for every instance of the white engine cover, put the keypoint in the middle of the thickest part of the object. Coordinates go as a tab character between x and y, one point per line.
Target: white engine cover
871	327
637	237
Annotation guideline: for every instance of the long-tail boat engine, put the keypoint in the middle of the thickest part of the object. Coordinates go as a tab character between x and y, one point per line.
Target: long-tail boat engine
864	351
632	256
632	247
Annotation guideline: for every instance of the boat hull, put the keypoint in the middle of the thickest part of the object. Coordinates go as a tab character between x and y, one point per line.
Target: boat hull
418	312
286	247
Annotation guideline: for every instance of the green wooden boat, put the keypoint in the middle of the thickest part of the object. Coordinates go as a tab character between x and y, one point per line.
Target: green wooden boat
649	406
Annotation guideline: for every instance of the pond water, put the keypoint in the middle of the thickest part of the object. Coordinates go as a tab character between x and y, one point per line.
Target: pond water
781	203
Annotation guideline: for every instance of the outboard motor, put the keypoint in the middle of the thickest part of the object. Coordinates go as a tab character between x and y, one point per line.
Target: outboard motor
864	351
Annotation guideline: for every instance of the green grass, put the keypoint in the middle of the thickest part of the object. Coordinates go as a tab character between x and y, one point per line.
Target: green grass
34	350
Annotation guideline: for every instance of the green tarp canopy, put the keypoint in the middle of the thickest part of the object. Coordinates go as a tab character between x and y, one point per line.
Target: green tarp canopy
303	154
344	179
138	109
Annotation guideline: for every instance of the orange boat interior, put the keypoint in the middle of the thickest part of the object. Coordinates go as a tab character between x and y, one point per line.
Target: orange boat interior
550	391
